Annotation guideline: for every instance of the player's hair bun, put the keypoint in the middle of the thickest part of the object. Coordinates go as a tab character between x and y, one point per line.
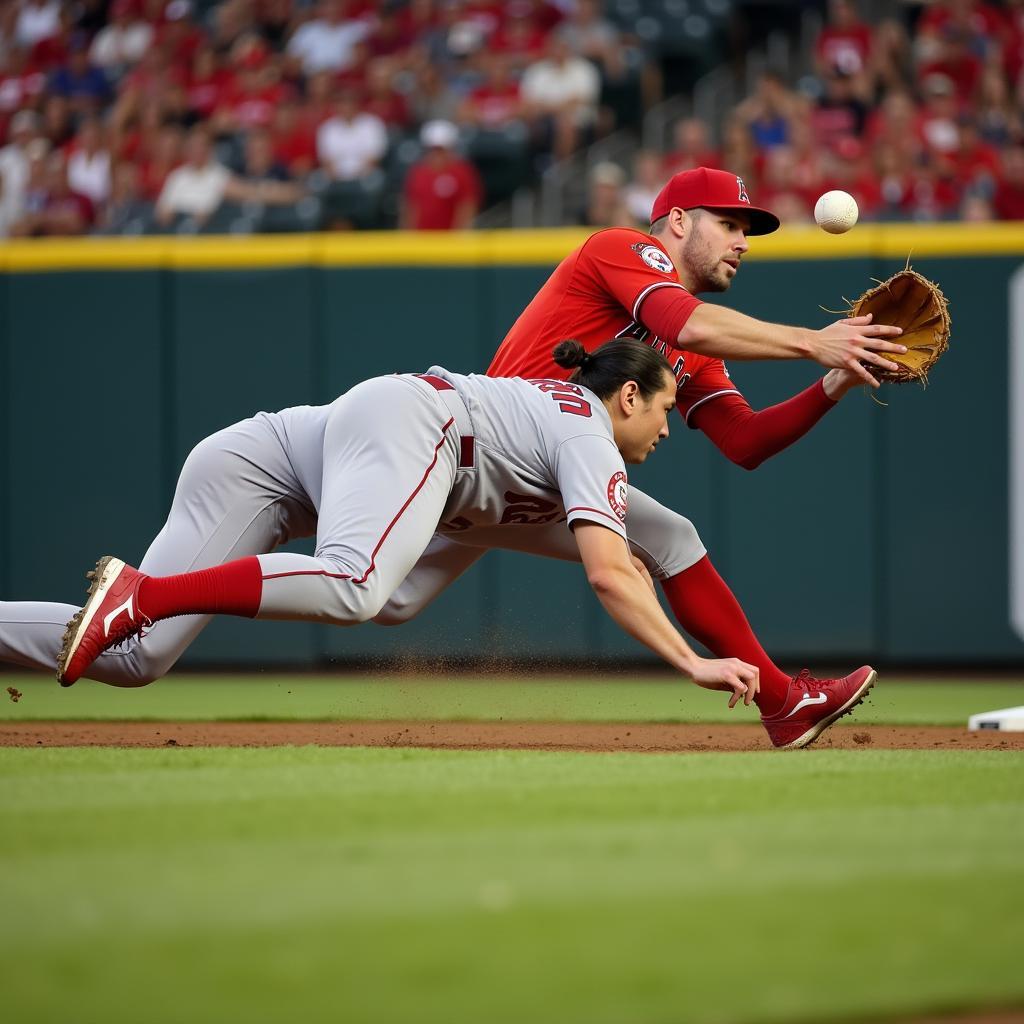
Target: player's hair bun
571	354
610	365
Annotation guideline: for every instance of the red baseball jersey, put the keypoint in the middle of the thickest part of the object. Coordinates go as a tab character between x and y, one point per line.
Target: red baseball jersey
597	293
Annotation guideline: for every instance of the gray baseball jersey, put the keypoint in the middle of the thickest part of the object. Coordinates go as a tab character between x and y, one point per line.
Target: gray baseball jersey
489	462
543	452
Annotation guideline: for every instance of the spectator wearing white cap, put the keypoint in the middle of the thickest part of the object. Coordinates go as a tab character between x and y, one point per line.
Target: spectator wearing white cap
442	191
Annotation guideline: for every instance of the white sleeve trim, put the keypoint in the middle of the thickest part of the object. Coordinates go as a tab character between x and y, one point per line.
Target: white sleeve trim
650	288
707	398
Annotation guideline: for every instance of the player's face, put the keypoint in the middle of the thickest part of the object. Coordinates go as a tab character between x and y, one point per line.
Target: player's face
648	425
714	247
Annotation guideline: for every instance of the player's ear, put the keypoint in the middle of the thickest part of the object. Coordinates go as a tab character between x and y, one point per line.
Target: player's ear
629	397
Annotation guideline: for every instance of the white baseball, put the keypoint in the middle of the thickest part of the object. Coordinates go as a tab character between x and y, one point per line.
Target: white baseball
836	212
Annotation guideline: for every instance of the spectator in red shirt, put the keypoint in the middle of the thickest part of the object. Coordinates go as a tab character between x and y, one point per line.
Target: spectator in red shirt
208	84
178	36
974	163
251	100
382	98
1009	197
520	41
848	167
894	123
51	52
391	36
294	138
442	191
496	102
320	95
933	195
981	23
844	44
954	60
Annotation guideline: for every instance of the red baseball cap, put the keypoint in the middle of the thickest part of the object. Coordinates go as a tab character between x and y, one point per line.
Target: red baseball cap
715	190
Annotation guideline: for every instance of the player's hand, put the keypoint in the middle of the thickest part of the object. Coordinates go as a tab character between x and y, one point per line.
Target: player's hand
850	343
728	674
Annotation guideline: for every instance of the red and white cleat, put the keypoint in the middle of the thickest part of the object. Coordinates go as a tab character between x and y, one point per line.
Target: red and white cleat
812	705
111	615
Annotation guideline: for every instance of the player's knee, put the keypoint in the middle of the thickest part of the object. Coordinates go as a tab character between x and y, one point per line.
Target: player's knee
395	613
671	548
352	604
134	669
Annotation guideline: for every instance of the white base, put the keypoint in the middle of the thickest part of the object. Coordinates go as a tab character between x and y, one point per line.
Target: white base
1005	720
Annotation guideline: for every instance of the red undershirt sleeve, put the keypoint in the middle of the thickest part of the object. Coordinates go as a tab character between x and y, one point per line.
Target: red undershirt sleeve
747	437
664	311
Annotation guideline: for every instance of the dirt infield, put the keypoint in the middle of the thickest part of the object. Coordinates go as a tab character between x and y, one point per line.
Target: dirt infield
590	736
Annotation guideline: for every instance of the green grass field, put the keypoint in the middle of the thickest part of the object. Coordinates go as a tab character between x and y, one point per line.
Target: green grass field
619	699
358	885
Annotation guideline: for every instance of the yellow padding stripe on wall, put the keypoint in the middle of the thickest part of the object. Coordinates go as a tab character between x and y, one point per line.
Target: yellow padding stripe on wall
477	248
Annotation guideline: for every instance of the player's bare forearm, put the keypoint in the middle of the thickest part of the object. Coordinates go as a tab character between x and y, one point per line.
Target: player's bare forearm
626	597
845	345
727	334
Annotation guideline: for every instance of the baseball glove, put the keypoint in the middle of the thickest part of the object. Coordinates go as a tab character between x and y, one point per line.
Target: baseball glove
916	304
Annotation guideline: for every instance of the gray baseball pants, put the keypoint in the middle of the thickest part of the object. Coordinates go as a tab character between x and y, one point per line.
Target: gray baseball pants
373	508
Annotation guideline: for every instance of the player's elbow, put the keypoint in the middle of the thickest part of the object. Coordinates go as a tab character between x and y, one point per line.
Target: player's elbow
748	460
605	580
745	454
696	330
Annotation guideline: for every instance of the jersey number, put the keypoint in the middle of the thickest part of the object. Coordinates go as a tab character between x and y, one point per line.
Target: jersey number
568	396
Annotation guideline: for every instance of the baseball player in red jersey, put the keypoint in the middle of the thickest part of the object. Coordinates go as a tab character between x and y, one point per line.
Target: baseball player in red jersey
622	282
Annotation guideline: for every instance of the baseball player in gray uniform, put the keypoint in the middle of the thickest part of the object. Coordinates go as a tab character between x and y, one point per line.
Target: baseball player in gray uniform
374	475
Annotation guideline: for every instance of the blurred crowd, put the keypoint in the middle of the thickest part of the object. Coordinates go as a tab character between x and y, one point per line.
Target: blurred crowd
142	116
138	116
920	116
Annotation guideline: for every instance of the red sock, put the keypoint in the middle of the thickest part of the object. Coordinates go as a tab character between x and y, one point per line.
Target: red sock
707	609
234	588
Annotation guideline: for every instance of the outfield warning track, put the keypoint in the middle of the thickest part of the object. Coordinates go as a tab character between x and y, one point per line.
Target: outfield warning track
639	737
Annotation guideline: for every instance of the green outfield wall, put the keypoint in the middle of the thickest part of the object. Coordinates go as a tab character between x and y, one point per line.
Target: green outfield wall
889	532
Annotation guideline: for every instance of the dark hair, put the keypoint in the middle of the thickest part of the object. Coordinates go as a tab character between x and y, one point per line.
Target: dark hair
608	367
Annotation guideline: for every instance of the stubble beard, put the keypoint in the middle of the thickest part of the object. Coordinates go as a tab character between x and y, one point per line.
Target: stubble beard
705	268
